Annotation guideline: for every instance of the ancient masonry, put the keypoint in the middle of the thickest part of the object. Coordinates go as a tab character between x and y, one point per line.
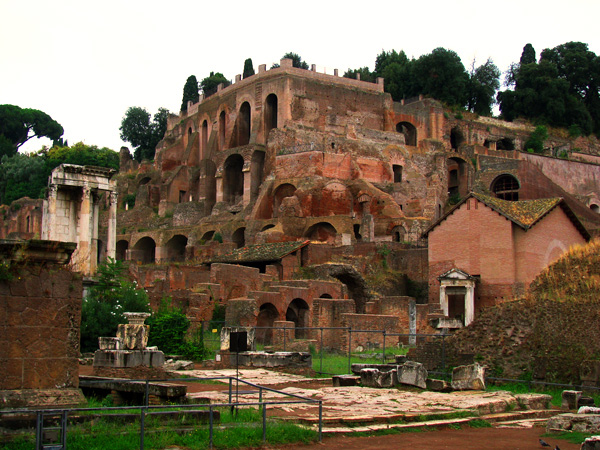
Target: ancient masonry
290	168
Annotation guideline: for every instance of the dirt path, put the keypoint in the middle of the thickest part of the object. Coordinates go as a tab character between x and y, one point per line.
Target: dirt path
464	439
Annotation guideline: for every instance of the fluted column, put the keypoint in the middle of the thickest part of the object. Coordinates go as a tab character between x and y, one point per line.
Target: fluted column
111	244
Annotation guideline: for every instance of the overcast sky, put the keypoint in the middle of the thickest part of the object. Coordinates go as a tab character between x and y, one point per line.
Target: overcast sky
84	63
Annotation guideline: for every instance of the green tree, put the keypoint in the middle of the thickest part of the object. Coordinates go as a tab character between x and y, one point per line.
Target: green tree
528	55
441	75
190	92
102	309
484	82
395	68
248	68
365	74
22	175
83	155
296	60
18	125
143	134
536	140
210	83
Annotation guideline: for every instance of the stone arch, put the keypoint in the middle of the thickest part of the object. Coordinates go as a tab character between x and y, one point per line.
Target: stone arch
144	181
233	179
594	207
352	279
399	234
322	231
222	129
409	131
457	138
267	227
256	173
207	236
239	238
243	124
458	176
145	250
207	184
505	144
121	250
282	191
298	312
555	249
397	171
176	248
325	296
336	199
270	114
267	315
506	187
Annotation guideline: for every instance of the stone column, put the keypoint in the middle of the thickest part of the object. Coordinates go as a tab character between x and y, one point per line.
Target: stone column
84	249
247	184
111	244
469	303
443	299
220	189
49	219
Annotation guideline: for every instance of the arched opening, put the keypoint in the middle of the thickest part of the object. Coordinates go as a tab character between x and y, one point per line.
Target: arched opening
207	186
267	227
203	139
206	237
505	144
282	191
595	208
256	173
243	125
144	181
267	315
322	231
100	250
145	250
238	237
399	234
356	229
325	296
506	187
222	125
121	250
409	131
176	248
270	114
397	169
233	179
456	138
457	179
298	313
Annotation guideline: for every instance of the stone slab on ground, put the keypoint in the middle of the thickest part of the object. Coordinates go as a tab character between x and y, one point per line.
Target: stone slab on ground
470	377
413	374
584	423
41	398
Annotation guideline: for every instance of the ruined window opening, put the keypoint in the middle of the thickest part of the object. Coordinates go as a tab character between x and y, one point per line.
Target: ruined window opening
325	296
398	234
28	225
506	187
222	125
270	114
595	208
145	250
357	234
207	236
256	173
268	227
121	250
182	196
203	139
267	315
322	231
100	251
282	191
456	138
397	173
505	144
233	179
409	131
243	124
144	181
189	131
333	145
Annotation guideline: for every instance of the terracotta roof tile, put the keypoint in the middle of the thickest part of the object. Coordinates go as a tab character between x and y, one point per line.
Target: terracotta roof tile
260	252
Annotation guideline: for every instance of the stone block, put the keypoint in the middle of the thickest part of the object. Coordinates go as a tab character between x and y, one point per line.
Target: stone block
413	374
533	401
591	443
470	377
178	365
570	399
438	385
585	401
110	343
128	358
368	377
584	423
387	379
133	336
345	380
357	368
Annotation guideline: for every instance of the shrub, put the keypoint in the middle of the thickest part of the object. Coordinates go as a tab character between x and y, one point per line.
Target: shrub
536	140
218	237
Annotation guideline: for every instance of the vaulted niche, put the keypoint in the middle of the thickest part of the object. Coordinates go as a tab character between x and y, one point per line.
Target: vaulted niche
222	126
506	187
456	138
282	191
457	178
203	139
409	131
145	250
239	237
270	114
267	315
397	169
243	125
298	312
233	179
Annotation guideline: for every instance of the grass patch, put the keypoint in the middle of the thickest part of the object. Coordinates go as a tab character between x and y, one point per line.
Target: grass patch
480	423
574	437
337	363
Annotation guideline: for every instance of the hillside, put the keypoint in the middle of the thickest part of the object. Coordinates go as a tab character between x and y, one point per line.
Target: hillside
548	333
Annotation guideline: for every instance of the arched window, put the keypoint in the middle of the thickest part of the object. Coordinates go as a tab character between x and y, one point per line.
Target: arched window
243	124
506	187
222	125
176	248
270	114
203	139
233	179
409	131
145	250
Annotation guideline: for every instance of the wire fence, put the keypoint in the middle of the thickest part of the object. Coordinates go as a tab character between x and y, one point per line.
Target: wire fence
52	426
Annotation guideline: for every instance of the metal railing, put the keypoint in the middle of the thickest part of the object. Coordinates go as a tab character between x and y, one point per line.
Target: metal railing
156	410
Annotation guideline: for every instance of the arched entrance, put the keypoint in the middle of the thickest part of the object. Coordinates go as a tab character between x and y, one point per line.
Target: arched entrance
457	179
456	138
298	312
270	114
239	238
121	250
145	250
176	248
243	125
282	191
266	316
409	131
233	179
322	231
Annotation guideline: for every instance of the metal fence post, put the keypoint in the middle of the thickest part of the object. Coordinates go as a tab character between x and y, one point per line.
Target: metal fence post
147	393
383	355
210	426
230	389
142	420
284	337
349	349
321	353
444	351
320	420
264	421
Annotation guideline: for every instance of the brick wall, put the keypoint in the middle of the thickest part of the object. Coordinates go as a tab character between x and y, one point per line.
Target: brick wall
40	314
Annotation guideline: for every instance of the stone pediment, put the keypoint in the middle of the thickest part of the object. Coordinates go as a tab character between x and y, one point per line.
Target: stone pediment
455	274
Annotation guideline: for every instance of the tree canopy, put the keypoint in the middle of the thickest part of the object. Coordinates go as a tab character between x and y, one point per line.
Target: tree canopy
562	89
18	125
296	60
190	92
248	68
143	134
210	83
26	175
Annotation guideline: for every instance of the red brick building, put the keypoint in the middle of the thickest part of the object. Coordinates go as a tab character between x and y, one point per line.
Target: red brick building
487	250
